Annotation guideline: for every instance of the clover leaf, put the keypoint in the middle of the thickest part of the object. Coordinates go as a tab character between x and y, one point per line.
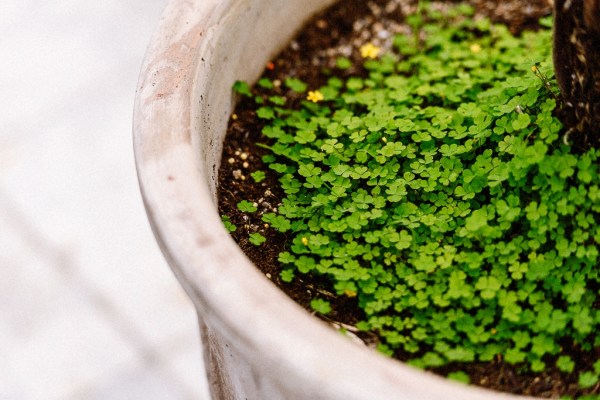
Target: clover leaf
257	239
321	306
247	206
488	286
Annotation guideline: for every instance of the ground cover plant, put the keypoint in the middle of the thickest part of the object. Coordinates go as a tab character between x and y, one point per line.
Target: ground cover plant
434	189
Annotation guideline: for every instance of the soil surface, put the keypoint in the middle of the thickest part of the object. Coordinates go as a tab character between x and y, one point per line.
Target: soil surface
340	31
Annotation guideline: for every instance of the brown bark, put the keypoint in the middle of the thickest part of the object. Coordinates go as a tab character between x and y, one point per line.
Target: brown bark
577	67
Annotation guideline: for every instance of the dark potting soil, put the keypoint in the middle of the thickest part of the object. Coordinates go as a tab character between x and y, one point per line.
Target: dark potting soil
340	31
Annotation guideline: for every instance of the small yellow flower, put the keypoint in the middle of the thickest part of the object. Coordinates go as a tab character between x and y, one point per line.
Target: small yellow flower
350	293
475	48
315	96
304	241
369	50
534	68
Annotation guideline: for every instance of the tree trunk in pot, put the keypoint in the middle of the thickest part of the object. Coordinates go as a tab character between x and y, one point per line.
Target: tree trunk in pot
577	67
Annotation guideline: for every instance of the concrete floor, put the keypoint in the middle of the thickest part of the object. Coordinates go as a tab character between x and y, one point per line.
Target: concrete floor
88	307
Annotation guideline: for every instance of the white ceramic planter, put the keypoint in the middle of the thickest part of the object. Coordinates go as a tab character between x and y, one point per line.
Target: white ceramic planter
258	344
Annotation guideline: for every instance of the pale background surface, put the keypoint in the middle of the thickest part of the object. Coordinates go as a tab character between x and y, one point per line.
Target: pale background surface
88	307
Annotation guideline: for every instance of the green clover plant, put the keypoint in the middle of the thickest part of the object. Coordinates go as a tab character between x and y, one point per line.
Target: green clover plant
437	190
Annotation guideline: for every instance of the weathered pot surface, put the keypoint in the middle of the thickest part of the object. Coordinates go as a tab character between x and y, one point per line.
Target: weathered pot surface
258	344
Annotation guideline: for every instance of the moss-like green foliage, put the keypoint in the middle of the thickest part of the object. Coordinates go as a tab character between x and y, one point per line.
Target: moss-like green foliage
439	191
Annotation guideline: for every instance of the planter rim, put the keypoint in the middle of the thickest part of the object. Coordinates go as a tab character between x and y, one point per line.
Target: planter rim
230	294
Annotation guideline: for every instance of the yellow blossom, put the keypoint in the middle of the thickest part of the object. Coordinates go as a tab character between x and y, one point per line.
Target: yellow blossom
315	96
475	48
369	50
304	241
534	68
